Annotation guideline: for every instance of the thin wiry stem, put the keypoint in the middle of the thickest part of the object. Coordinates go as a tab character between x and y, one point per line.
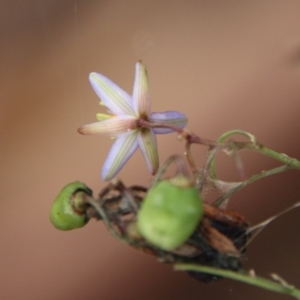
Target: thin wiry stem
243	277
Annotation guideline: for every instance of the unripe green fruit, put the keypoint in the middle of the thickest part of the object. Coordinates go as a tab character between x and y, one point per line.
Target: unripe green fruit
170	213
66	212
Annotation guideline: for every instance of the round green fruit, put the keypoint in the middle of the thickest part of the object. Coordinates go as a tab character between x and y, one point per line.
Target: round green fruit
68	211
170	213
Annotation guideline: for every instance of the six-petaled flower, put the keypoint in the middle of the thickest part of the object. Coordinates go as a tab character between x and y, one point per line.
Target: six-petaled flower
124	120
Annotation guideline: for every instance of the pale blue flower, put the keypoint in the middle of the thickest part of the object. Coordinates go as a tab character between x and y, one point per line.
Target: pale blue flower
123	121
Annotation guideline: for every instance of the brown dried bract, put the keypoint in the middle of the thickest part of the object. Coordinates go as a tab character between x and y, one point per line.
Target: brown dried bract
218	241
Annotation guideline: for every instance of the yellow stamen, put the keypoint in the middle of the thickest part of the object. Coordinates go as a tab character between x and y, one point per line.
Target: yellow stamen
103	117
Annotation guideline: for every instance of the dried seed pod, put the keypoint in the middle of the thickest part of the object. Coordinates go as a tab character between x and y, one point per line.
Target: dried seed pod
170	213
68	209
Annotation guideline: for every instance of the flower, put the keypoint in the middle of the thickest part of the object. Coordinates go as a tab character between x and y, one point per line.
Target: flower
125	121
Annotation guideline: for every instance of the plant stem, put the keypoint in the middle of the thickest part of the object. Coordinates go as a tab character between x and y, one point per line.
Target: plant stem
288	161
243	277
253	178
253	145
256	146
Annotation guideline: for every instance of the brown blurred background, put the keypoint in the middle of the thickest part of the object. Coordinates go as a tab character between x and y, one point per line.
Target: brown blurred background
226	64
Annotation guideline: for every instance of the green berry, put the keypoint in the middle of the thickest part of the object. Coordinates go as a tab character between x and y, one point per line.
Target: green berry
170	213
68	209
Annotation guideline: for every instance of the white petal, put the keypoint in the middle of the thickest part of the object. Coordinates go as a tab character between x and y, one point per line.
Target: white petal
173	118
121	150
116	99
141	96
112	126
148	145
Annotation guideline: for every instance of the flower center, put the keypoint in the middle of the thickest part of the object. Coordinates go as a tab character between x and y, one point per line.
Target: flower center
142	122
